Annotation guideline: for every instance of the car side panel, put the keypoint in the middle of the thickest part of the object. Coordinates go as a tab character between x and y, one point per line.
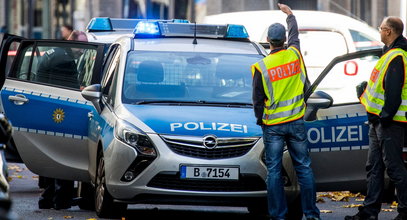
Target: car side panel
338	143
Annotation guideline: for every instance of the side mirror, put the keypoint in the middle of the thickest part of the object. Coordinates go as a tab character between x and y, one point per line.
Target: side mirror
317	100
6	131
93	94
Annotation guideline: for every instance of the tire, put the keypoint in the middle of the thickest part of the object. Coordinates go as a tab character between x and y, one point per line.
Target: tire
295	209
104	205
86	193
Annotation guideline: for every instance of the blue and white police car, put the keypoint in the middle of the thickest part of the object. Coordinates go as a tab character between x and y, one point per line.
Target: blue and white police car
166	117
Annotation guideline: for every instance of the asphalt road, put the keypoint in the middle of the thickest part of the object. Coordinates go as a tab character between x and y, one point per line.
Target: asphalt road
24	192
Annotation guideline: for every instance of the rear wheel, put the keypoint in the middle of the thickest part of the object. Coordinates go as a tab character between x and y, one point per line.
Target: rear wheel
104	205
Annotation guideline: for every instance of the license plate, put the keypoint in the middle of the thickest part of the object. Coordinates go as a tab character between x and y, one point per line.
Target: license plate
209	172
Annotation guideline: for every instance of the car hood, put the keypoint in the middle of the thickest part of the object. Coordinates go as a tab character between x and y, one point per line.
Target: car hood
197	120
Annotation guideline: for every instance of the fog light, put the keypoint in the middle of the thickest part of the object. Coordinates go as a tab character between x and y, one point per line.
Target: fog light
129	176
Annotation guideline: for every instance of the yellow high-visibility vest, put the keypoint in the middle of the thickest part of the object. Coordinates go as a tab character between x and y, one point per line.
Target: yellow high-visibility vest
283	75
373	96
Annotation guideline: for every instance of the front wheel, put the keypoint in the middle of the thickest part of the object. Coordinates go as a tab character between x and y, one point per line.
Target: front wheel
105	207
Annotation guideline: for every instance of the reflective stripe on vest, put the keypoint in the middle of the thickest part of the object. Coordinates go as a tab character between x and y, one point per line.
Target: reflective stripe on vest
283	76
373	98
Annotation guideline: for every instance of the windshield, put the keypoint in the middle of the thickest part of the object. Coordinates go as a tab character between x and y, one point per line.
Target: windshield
188	77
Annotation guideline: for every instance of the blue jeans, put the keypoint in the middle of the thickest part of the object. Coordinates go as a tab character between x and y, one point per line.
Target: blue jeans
294	135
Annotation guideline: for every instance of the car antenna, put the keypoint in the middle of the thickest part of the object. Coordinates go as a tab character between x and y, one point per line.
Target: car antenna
195	42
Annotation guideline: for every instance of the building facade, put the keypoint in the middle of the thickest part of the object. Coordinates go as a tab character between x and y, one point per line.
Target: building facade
43	18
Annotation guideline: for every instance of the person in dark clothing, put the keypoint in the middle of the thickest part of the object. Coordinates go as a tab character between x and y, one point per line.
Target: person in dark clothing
258	93
58	67
385	100
57	194
279	107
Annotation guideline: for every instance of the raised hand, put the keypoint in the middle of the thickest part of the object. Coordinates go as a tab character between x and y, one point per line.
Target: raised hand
284	8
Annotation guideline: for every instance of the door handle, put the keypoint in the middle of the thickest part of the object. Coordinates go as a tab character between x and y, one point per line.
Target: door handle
90	115
18	99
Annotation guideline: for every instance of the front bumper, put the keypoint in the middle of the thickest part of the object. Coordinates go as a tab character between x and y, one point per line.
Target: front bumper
160	182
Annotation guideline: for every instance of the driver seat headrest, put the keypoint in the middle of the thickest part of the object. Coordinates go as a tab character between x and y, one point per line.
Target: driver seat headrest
150	71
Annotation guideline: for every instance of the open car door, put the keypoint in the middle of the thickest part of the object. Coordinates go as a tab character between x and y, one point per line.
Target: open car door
8	50
42	98
337	123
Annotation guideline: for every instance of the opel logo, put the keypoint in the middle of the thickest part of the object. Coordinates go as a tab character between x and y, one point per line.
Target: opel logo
210	141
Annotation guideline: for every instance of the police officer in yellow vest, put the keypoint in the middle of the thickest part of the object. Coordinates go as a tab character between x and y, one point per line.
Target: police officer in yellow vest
279	81
385	100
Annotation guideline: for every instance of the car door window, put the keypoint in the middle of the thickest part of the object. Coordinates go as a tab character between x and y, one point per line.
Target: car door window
340	83
11	55
107	63
64	65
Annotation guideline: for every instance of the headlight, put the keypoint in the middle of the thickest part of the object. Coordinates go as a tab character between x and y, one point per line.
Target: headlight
134	137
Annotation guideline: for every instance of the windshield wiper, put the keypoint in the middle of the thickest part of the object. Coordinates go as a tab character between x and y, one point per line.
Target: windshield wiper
198	102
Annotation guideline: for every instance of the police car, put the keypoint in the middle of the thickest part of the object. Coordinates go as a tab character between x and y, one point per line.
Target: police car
166	117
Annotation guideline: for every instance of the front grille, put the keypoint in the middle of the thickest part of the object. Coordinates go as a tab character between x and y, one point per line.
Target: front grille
194	146
171	180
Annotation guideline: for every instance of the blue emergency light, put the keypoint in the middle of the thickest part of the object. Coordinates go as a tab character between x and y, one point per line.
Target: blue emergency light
100	24
147	28
236	31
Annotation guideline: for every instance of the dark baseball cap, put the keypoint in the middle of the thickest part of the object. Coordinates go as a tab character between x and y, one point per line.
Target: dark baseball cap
276	32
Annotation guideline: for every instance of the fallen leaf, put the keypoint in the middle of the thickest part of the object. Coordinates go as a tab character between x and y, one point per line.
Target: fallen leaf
360	199
91	219
388	210
325	211
15	168
342	198
394	205
320	200
9	178
341	195
68	217
352	205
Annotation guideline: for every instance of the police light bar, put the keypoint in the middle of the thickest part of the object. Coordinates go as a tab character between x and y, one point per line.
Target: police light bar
148	29
100	24
120	24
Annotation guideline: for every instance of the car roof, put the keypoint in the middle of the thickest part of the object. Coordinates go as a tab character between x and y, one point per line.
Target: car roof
203	45
256	22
